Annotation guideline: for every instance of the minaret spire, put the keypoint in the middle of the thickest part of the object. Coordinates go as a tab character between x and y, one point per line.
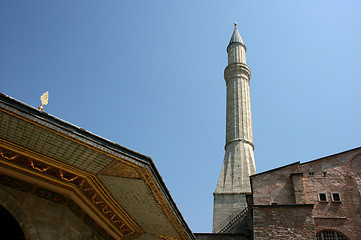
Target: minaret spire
238	164
236	37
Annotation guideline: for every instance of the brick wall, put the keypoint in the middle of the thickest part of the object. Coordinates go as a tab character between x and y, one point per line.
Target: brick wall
283	222
302	184
274	186
336	174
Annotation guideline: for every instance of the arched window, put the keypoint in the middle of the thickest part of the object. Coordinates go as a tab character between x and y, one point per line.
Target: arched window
9	227
330	235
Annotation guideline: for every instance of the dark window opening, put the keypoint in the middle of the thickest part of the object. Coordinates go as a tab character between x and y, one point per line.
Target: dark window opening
322	197
329	235
336	197
9	227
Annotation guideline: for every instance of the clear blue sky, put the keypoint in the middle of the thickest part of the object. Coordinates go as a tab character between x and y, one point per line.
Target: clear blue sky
149	76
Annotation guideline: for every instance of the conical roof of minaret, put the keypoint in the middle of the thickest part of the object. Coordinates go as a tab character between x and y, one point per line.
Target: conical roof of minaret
236	37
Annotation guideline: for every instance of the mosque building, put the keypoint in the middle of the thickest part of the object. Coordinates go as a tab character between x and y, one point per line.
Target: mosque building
59	181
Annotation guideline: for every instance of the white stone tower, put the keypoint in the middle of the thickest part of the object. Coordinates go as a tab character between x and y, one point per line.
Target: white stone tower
239	164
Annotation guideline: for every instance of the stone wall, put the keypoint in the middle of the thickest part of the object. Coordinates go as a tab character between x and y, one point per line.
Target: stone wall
225	207
283	222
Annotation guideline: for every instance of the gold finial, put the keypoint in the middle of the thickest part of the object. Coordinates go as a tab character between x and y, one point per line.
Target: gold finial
235	24
44	100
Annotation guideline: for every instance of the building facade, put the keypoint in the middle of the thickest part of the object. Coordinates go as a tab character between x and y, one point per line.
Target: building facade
59	181
320	198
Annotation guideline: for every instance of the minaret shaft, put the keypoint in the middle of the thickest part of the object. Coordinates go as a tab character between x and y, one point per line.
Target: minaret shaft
238	123
238	162
238	165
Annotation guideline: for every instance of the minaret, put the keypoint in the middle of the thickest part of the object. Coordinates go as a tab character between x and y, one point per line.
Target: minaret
238	165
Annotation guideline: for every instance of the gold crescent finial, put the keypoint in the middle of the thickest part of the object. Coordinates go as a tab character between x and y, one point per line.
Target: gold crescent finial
235	24
44	100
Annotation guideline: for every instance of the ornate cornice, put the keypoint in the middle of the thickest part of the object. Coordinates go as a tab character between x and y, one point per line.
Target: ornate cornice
82	183
87	185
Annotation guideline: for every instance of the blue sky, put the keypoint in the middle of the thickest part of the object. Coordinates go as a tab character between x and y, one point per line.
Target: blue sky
149	76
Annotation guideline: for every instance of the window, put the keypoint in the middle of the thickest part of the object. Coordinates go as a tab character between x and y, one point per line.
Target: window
336	197
322	197
329	235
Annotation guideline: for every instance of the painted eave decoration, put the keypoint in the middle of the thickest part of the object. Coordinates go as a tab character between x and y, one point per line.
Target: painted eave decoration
114	190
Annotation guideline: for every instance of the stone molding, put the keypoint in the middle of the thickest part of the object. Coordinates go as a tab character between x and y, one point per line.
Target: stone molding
239	140
237	70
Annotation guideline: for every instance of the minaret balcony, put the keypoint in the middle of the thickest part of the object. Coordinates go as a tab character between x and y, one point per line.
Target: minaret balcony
237	70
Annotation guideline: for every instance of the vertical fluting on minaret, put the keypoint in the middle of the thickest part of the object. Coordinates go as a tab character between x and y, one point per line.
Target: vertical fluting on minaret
238	165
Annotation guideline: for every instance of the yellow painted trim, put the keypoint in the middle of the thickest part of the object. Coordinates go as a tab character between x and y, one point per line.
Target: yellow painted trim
101	191
163	203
